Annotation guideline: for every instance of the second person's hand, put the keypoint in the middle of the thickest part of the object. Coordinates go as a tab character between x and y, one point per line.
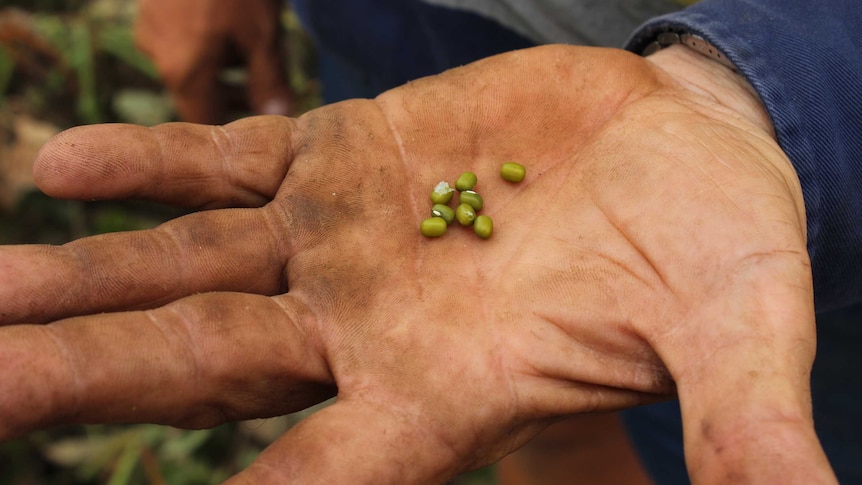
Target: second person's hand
192	41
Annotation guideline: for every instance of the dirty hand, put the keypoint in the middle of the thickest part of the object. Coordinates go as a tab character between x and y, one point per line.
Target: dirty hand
656	248
192	41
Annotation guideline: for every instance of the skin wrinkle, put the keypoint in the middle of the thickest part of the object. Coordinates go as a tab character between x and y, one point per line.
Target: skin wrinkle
282	246
715	183
514	391
789	181
227	177
769	170
594	398
675	300
306	219
619	264
303	322
532	223
267	190
410	176
512	384
661	384
237	180
160	176
253	284
149	240
743	265
668	128
276	253
640	252
83	260
415	420
573	336
212	409
498	362
61	256
727	441
172	239
764	140
342	304
716	155
72	368
714	84
520	248
682	375
172	335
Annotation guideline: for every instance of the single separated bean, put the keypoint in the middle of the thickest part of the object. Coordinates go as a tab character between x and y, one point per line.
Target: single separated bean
483	226
433	227
472	199
444	211
442	193
465	214
513	172
466	181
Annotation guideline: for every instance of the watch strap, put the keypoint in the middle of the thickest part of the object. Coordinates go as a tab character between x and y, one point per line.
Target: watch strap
692	41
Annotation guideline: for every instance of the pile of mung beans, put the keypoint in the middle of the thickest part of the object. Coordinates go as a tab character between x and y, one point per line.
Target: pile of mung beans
469	203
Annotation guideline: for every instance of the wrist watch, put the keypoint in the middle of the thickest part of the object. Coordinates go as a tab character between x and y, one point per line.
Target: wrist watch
692	41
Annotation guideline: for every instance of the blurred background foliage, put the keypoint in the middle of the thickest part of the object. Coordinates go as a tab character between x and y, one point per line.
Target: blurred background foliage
70	62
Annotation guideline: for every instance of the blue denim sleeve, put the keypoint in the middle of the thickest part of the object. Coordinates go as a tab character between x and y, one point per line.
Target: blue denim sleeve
804	59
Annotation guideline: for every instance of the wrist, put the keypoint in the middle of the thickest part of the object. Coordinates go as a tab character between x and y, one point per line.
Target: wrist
714	80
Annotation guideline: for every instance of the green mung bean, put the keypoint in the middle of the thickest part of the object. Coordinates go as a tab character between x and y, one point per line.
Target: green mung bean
465	214
442	193
444	211
472	199
513	172
433	227
483	226
466	181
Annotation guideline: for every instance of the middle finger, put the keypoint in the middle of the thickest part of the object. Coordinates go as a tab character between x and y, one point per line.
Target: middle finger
224	250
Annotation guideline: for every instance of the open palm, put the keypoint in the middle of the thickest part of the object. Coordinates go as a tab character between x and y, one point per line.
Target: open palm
656	248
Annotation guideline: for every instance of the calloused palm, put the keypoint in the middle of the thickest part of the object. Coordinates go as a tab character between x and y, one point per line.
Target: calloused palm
656	247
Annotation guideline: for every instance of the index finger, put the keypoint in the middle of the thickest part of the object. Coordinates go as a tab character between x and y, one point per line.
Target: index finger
198	362
240	164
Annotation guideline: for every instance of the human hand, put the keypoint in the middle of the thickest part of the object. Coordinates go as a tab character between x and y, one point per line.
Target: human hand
656	247
192	41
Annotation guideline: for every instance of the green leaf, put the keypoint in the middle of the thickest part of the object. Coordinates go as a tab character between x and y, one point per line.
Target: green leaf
117	41
125	465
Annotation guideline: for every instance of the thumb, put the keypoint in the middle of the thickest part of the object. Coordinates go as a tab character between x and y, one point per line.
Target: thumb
743	381
354	442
